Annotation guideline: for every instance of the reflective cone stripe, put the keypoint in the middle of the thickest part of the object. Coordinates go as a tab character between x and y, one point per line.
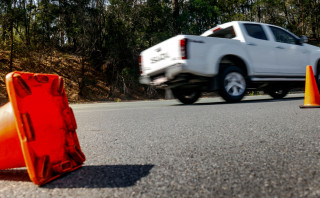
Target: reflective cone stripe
38	128
311	96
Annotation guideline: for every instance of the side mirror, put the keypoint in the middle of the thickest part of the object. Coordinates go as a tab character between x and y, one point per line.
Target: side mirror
303	39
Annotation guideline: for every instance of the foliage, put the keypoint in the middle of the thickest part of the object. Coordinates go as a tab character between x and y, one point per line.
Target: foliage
108	35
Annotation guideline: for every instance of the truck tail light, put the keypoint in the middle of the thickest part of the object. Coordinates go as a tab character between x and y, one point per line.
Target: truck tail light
140	65
216	30
184	48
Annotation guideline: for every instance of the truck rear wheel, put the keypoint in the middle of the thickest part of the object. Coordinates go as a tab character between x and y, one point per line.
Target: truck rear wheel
232	84
186	96
278	93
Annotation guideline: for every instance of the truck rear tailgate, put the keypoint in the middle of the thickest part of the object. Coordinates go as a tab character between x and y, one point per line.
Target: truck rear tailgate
167	53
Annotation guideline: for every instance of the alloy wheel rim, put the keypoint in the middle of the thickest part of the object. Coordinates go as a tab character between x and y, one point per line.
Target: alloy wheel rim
234	84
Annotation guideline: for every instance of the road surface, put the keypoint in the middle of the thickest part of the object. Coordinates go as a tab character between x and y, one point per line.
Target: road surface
257	148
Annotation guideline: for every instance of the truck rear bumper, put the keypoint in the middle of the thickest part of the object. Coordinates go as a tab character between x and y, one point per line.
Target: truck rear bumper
178	76
145	80
160	77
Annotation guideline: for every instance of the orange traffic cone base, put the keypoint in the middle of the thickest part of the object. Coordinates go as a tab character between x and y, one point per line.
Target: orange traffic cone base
306	107
311	96
45	124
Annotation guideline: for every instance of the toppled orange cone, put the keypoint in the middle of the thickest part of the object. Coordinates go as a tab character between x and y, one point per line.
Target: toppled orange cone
38	128
311	96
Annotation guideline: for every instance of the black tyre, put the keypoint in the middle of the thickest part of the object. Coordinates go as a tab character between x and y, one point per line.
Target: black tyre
278	93
318	76
232	84
186	96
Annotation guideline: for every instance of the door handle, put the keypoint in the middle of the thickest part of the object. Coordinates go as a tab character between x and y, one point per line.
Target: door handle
280	47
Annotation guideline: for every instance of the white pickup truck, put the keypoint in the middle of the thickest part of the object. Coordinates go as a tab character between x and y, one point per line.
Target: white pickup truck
230	59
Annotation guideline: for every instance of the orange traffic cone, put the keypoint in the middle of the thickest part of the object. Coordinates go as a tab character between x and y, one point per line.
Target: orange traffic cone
311	96
38	128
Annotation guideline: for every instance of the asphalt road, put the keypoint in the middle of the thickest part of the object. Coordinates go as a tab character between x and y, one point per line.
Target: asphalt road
257	148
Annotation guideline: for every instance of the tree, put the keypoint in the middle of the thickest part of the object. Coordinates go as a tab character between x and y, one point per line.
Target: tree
199	15
108	35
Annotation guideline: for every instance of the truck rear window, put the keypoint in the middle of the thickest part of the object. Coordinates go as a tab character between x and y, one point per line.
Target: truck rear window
224	33
255	31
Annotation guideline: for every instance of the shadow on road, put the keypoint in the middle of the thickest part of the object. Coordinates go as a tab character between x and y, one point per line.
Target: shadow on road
14	175
106	176
243	101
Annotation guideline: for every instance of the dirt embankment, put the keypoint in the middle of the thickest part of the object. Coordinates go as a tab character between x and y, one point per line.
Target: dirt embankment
70	68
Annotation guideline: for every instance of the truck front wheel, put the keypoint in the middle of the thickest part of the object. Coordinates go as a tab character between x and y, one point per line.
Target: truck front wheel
186	96
318	75
232	84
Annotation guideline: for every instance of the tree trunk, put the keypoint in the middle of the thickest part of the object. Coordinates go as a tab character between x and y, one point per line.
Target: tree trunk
11	48
11	36
175	15
61	18
82	77
27	21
